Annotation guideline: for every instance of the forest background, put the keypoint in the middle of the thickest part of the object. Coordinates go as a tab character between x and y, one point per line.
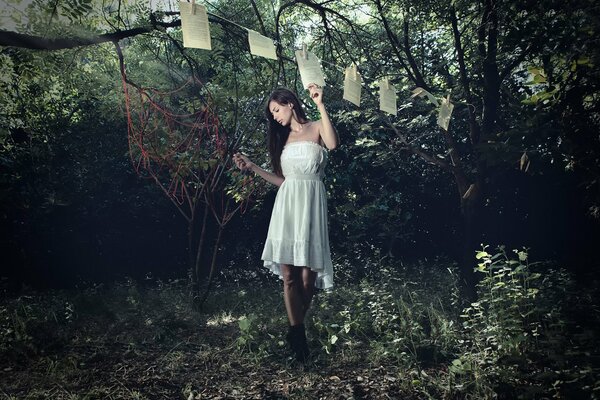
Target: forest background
116	141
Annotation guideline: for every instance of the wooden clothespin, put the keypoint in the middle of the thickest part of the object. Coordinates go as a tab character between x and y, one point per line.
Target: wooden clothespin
448	97
350	73
304	51
386	84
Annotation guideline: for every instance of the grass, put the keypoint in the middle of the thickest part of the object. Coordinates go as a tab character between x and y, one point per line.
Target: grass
398	333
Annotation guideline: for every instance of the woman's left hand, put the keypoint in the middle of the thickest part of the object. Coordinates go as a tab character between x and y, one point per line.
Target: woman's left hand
316	93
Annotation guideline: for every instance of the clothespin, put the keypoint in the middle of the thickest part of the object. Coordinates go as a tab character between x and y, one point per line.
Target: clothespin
355	71
193	7
350	72
447	99
304	52
386	84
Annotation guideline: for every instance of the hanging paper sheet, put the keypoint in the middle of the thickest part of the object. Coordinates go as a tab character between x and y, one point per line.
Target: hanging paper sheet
194	24
310	68
445	113
422	92
387	97
261	45
352	85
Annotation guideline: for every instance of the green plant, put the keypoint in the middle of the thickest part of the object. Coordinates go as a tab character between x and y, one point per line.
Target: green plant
502	326
248	332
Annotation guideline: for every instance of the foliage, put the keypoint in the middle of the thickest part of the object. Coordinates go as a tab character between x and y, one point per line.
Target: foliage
400	331
512	341
503	324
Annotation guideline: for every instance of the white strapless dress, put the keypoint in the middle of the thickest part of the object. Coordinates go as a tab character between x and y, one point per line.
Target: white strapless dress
298	233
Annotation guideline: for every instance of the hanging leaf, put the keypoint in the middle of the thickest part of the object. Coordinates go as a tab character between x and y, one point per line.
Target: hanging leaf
468	192
523	161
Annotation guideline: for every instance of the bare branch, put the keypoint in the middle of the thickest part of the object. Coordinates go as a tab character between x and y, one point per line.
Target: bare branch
419	80
260	20
474	131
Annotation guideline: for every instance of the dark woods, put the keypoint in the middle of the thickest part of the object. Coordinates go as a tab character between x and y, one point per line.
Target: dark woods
131	245
518	165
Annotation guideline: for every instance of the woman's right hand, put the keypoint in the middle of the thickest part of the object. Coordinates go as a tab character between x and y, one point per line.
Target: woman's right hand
242	162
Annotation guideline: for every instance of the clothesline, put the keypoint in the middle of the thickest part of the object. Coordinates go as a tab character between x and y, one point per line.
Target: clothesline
196	34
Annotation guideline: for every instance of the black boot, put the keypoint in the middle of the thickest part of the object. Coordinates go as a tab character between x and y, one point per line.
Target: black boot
296	338
289	337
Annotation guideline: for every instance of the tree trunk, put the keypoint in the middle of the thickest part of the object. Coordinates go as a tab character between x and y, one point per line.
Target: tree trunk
471	213
199	301
198	261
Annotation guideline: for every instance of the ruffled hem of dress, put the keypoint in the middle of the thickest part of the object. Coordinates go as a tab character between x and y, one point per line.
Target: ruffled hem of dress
324	279
299	254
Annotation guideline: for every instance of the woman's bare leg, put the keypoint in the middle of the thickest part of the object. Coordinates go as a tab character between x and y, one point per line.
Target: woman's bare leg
295	300
308	288
292	293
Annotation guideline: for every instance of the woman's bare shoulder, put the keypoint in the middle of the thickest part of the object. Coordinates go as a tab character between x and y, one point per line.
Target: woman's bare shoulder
315	131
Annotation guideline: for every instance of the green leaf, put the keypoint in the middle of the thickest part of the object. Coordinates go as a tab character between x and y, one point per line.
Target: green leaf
244	324
584	61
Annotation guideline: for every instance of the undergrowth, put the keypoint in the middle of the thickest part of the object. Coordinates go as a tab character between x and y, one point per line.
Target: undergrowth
402	331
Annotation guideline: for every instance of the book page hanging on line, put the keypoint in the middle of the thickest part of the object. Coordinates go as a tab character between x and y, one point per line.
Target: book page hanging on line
445	113
310	68
422	92
387	97
194	24
261	46
352	85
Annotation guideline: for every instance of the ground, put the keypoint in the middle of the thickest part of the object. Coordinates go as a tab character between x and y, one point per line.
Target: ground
399	339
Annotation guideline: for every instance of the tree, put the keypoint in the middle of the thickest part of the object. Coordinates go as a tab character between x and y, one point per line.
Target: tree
187	152
479	52
508	67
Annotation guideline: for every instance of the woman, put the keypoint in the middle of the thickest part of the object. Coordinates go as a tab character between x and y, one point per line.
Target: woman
297	245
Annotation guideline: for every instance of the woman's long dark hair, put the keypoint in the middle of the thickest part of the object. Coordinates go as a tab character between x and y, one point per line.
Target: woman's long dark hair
277	134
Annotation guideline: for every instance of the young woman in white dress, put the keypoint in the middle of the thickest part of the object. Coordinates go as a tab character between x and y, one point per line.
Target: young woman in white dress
297	245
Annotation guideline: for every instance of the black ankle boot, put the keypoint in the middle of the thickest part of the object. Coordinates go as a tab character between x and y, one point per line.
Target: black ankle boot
289	337
296	337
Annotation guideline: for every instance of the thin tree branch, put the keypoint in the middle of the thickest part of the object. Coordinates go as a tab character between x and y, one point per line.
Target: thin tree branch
419	80
474	131
260	20
395	43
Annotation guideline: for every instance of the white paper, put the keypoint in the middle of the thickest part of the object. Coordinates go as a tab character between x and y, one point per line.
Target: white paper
352	85
196	31
422	92
387	97
445	113
310	69
261	45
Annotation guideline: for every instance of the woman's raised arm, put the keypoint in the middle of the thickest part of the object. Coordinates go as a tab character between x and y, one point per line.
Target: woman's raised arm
326	130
